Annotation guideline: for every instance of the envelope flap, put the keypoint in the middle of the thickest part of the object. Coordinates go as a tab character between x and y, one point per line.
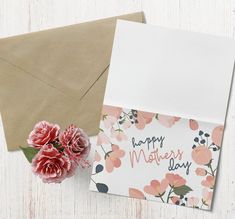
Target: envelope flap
55	75
26	100
60	57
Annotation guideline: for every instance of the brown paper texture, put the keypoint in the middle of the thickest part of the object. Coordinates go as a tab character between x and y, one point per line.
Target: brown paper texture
56	75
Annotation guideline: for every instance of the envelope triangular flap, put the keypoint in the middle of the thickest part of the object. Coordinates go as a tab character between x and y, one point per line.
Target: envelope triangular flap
61	56
171	72
57	75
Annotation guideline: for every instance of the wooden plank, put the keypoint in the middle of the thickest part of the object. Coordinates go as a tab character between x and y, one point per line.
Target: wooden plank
22	195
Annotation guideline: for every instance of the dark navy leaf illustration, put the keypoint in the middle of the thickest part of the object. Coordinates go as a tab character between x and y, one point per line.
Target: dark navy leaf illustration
101	187
99	168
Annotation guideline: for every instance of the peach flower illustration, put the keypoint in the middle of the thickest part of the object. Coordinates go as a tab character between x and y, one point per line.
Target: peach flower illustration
175	180
167	121
193	124
192	201
217	135
135	193
127	124
110	115
209	182
206	197
102	138
143	118
201	155
112	158
118	134
156	188
201	171
111	111
109	121
175	200
97	157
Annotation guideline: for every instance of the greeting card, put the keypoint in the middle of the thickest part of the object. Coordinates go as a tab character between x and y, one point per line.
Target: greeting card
163	116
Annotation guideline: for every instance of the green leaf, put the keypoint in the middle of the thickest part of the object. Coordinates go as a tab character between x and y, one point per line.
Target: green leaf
56	145
29	153
182	190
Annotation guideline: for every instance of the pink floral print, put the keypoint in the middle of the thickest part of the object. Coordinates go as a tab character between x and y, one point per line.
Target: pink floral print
118	134
173	187
167	121
201	155
209	182
207	197
135	193
193	124
126	124
175	180
156	188
109	121
102	138
112	158
97	157
143	118
217	135
111	111
175	200
192	201
200	171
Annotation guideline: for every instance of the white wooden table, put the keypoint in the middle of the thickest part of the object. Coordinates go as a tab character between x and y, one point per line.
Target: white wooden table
22	195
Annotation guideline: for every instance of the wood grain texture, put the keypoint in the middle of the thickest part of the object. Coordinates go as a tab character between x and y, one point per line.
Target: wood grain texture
23	196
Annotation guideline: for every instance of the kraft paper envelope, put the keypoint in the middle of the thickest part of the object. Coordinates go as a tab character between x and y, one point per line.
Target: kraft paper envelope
57	75
163	117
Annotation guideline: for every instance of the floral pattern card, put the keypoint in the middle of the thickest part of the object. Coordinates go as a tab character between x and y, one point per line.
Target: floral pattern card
163	117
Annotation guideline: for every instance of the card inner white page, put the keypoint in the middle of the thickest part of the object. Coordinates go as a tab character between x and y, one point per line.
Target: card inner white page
172	72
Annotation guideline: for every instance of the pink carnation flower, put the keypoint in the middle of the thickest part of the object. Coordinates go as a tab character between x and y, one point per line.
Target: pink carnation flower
42	134
75	142
51	165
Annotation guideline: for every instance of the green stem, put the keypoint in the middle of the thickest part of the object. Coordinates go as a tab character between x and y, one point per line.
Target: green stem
126	113
168	196
162	199
93	181
202	204
212	171
118	125
209	173
103	149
